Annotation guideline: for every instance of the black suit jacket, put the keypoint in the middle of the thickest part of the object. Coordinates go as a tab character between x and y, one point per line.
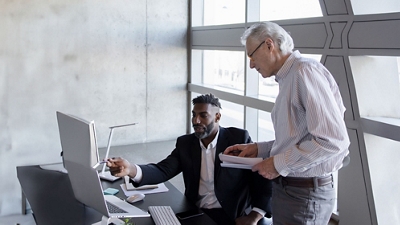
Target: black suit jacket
235	189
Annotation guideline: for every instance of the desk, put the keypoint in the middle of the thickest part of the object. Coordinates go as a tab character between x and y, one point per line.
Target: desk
52	200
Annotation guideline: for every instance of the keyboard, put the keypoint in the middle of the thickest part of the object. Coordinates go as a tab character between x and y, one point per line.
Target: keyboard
163	215
114	209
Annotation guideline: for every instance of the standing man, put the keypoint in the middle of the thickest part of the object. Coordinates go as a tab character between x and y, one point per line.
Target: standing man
311	138
222	193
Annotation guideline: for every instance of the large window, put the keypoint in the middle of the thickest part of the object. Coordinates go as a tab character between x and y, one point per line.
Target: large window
383	156
231	114
217	12
370	74
365	67
361	7
265	127
222	70
289	9
377	84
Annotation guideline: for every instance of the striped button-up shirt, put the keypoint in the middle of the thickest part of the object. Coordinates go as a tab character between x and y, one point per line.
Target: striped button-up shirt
310	133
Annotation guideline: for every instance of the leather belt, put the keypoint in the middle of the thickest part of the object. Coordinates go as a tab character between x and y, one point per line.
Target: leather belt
309	182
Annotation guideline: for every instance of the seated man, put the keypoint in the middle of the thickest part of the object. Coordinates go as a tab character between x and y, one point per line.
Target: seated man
222	193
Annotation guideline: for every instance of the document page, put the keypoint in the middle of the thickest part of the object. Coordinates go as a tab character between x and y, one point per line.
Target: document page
238	162
161	188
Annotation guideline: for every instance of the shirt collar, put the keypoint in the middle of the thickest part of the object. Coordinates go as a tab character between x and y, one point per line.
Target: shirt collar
284	70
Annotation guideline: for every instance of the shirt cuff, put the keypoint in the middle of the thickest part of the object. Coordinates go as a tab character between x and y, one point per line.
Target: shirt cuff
280	165
260	211
139	175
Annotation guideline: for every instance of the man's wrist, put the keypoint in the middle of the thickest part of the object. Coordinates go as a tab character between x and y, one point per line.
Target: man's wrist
135	173
255	215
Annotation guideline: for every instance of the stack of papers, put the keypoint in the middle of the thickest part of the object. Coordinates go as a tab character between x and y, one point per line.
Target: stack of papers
238	162
129	189
160	188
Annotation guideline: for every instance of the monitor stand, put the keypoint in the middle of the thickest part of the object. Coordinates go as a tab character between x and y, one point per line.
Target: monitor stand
106	175
106	221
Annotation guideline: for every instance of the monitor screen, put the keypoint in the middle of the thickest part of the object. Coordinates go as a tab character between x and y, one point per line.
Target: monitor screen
78	140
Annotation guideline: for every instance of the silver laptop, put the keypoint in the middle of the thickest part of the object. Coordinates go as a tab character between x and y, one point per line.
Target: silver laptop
87	189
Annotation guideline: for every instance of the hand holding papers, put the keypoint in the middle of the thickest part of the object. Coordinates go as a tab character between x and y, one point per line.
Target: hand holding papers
238	162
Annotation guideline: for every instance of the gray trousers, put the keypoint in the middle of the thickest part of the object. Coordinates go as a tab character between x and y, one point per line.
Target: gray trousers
302	206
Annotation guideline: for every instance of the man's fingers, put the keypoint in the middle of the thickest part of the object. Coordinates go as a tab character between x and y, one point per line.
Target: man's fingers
237	150
242	154
230	149
255	168
116	173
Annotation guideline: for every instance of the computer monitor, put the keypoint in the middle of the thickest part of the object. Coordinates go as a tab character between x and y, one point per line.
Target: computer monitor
78	140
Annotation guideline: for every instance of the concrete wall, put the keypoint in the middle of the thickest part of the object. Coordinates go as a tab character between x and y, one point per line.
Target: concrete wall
113	62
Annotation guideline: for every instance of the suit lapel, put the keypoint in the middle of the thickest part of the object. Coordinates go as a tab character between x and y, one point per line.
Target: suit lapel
196	160
222	144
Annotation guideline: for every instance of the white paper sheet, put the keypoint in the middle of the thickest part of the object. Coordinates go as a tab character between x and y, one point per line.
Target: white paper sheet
236	165
161	188
238	162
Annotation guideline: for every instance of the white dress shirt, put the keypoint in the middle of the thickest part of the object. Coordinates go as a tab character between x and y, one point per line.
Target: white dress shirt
207	198
310	134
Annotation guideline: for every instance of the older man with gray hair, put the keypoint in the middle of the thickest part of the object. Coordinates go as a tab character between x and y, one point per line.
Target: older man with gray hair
311	138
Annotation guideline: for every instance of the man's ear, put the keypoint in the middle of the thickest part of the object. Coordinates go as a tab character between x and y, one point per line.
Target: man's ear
217	117
270	43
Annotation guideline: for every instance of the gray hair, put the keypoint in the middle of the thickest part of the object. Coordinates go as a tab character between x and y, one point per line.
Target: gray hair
263	30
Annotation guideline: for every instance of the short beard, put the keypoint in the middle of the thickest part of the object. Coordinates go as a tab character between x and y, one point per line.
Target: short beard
206	133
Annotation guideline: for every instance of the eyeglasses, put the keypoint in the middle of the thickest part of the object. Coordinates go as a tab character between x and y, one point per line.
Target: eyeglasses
251	55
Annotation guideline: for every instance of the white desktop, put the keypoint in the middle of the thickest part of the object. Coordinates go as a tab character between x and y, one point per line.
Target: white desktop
79	142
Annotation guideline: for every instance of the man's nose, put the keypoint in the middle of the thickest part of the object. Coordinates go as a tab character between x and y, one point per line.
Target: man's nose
252	64
196	120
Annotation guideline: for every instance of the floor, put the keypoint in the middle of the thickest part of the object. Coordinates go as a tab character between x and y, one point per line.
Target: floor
136	153
17	220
